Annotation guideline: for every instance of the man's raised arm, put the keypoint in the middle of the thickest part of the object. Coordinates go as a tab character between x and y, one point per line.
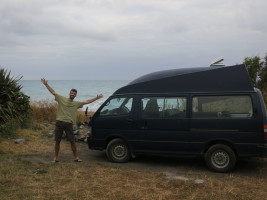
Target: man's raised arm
99	96
45	82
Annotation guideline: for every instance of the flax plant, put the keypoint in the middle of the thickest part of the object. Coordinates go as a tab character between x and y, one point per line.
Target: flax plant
14	105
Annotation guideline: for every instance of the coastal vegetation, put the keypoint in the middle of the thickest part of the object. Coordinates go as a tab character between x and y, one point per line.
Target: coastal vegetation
257	69
14	105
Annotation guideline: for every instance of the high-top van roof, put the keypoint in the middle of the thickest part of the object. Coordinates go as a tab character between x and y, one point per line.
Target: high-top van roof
202	79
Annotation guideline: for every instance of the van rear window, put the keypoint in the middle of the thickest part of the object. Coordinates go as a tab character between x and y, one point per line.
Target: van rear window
222	107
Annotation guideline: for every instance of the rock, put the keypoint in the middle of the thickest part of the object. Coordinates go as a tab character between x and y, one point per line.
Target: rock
171	176
81	127
80	132
19	141
47	124
82	139
198	181
51	133
76	132
74	127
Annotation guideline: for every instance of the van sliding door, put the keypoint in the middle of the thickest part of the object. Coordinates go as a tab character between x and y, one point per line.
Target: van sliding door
162	124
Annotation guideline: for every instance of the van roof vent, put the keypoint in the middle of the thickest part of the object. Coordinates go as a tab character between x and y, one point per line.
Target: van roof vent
217	62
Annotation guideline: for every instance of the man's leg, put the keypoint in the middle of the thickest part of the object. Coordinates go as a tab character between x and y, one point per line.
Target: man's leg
74	150
71	138
58	136
57	148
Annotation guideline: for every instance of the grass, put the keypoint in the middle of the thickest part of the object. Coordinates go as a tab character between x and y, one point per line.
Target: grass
24	179
27	179
44	110
19	180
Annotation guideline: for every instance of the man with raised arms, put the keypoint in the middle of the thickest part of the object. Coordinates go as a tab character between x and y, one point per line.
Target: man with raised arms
66	118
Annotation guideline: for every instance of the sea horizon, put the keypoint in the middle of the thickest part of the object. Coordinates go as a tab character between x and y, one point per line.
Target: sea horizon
87	89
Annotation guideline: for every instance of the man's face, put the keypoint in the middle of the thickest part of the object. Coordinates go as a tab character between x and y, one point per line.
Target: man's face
72	95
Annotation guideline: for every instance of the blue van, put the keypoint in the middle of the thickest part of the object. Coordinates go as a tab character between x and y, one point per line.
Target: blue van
213	112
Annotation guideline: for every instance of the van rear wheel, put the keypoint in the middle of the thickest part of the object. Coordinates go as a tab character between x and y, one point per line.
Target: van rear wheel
118	151
220	158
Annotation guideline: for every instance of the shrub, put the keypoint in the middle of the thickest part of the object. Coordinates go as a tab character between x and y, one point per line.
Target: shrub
44	110
14	105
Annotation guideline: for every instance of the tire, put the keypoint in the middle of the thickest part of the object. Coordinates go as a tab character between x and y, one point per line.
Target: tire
220	158
118	151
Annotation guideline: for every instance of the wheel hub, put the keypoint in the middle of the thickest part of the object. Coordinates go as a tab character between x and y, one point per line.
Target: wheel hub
119	151
220	159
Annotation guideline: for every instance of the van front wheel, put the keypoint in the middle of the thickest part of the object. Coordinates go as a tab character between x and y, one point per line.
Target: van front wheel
220	158
118	151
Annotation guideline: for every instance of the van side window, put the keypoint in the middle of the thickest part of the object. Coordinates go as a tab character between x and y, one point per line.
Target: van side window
117	106
163	107
222	107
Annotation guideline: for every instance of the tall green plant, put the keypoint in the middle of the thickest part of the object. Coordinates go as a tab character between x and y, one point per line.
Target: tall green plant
254	67
257	69
262	83
14	105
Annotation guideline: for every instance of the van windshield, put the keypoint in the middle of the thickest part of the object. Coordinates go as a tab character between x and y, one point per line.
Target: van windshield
117	106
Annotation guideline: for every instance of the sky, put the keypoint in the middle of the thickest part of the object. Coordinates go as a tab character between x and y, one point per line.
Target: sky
125	39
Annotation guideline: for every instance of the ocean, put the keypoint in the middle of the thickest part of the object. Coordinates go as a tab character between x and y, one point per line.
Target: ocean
87	89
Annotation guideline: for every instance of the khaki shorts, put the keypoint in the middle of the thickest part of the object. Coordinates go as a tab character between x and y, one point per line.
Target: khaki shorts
60	128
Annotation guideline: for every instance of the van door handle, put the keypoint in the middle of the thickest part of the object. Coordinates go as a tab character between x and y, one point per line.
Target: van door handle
144	125
129	120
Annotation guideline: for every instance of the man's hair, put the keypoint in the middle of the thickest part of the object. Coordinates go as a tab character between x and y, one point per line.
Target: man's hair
73	90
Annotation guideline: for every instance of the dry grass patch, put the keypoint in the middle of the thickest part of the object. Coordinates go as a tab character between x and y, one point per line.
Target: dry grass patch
36	143
23	179
44	110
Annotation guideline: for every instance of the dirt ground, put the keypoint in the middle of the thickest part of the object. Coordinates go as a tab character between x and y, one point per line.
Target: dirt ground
252	167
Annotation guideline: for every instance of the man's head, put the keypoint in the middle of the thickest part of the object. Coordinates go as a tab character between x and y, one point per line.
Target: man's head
73	93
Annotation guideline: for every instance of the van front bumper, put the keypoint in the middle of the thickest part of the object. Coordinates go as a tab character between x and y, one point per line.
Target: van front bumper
91	144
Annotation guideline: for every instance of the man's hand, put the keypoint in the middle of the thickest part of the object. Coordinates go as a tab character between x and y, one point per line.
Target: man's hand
45	82
99	96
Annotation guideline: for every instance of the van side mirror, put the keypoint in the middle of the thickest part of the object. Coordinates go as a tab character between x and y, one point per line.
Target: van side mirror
86	111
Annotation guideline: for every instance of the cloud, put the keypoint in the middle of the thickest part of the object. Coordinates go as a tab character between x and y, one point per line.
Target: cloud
125	36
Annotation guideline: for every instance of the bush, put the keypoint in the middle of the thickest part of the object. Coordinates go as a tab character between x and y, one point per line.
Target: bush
44	111
14	105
